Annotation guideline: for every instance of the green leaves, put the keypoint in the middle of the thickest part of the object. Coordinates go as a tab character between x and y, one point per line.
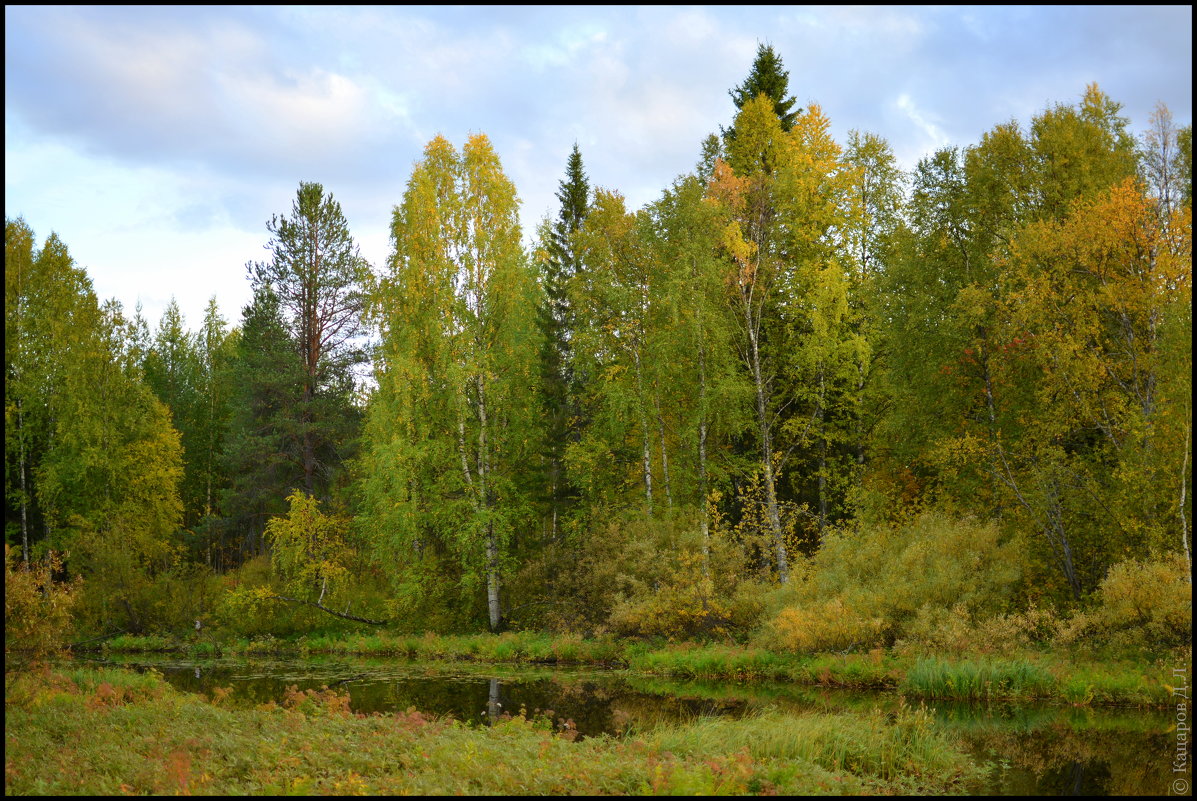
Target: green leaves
309	551
455	417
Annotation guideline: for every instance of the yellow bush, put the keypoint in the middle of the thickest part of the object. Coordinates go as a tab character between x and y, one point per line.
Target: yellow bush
37	610
939	629
926	581
681	604
661	577
957	630
1145	604
830	626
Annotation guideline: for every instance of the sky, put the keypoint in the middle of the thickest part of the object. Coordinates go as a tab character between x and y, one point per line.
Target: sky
157	142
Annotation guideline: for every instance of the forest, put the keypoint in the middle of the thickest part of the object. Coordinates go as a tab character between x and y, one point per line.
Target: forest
803	400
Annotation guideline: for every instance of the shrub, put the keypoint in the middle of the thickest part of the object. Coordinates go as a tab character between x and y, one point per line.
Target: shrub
881	582
955	630
831	626
658	582
37	610
1145	604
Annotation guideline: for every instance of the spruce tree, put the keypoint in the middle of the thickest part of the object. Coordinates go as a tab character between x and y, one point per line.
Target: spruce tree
560	385
768	78
263	450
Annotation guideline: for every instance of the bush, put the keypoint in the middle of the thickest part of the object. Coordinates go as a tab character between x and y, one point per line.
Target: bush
955	630
830	626
668	587
37	610
933	576
1139	604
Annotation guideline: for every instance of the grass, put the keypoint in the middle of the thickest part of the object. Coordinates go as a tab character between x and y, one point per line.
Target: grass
522	646
114	732
979	681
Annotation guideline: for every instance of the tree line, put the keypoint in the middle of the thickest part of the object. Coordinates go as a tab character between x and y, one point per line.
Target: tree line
795	340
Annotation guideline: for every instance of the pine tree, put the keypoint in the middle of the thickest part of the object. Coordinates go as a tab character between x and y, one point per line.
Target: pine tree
318	277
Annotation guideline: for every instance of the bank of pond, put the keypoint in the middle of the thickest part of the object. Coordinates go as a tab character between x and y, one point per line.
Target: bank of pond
269	723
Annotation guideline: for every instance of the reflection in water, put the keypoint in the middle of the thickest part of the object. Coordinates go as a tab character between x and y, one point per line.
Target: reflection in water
493	707
1034	750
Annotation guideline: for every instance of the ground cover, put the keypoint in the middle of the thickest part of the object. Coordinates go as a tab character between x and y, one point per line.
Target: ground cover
112	731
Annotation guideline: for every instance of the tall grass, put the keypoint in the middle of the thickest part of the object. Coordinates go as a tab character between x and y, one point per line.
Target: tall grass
978	681
888	746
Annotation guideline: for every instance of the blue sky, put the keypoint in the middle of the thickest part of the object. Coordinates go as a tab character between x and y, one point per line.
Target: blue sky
158	141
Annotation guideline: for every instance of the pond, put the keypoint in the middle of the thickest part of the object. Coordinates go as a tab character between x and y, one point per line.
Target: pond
1034	749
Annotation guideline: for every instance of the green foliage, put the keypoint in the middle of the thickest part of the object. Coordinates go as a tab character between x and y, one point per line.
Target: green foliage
97	462
454	419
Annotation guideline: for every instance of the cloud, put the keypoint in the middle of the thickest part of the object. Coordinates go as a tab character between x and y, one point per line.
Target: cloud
212	93
141	123
933	136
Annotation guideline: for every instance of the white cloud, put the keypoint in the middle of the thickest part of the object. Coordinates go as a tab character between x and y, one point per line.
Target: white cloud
151	137
933	136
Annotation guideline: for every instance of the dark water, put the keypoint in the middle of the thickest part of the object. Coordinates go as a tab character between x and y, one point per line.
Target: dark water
1033	749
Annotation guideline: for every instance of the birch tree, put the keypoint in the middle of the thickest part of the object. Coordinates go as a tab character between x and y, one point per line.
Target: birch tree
453	424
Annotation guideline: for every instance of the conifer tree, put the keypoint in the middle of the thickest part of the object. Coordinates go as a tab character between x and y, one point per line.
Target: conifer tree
318	277
263	448
557	320
769	79
172	371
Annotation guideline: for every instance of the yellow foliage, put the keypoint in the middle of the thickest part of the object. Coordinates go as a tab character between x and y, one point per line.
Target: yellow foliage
37	610
308	548
830	626
957	630
1146	603
927	581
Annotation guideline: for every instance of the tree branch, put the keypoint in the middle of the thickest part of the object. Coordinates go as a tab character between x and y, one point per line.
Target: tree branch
334	613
